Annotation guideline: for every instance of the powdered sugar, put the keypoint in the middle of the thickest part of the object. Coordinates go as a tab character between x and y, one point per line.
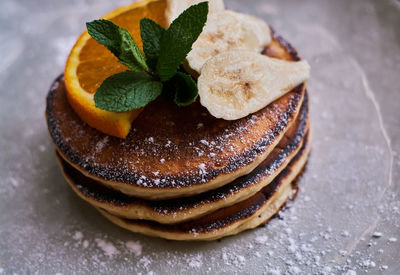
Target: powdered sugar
108	248
392	239
261	239
204	142
348	159
85	244
77	236
202	168
196	262
14	182
134	247
100	144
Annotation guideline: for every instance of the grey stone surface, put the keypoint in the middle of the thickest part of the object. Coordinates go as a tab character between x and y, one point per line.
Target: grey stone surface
346	217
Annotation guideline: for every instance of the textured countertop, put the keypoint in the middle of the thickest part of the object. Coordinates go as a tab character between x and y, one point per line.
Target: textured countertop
346	217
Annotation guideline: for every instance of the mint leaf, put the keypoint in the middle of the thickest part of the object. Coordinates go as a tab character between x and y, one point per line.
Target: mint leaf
177	41
182	89
151	34
127	91
119	42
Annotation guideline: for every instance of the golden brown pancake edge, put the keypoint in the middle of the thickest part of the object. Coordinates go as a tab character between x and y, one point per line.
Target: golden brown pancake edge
248	214
185	208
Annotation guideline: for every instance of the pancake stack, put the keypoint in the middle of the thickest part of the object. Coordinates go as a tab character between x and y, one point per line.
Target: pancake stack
182	174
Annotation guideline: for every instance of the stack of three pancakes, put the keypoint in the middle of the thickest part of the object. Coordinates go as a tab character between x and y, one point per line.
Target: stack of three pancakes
182	174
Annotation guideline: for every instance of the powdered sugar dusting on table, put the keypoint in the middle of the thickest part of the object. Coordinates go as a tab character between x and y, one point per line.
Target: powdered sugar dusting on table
134	247
108	248
346	176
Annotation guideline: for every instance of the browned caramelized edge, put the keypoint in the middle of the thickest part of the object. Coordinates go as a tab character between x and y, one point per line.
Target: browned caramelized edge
96	191
227	216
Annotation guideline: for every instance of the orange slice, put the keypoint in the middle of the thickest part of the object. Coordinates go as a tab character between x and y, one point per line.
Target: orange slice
90	63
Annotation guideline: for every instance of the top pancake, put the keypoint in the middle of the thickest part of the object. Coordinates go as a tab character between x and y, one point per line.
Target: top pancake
173	151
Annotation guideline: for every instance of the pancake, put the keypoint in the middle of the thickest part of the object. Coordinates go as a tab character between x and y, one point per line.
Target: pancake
174	151
186	208
250	213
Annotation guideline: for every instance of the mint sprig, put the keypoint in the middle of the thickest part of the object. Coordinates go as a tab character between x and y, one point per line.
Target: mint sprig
151	34
119	42
177	41
154	72
126	91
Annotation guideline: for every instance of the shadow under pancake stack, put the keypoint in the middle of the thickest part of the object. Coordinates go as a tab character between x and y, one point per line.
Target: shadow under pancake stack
182	174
